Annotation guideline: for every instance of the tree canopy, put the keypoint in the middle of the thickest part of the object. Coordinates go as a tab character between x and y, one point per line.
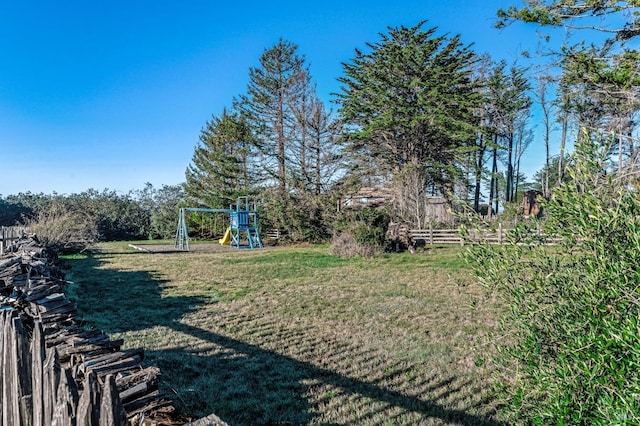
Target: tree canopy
622	17
410	99
274	91
219	169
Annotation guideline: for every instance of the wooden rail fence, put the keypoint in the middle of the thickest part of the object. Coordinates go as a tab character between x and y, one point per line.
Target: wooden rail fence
453	236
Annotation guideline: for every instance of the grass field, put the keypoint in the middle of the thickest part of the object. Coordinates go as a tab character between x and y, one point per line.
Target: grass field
296	336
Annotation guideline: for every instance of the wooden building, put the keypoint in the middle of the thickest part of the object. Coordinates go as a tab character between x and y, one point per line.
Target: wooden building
433	208
372	196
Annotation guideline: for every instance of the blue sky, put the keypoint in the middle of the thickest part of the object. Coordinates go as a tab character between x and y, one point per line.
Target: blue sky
114	94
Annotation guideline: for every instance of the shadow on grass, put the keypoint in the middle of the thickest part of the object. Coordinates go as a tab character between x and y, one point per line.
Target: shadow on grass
266	387
117	301
248	384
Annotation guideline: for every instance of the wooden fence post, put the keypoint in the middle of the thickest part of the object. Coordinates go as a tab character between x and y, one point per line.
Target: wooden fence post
25	393
10	408
89	405
51	379
3	349
39	354
66	403
16	377
500	233
111	410
430	233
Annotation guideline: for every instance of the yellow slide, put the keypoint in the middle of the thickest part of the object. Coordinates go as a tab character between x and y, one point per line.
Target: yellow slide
226	240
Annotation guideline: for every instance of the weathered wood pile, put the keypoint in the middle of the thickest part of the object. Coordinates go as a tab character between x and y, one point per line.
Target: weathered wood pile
54	371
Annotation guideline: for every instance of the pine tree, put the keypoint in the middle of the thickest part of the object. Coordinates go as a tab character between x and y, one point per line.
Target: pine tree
220	168
325	159
274	87
410	100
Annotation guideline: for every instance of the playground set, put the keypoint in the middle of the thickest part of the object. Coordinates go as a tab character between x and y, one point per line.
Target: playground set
241	233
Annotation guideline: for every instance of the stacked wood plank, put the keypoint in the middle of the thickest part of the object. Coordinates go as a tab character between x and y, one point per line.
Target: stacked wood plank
55	372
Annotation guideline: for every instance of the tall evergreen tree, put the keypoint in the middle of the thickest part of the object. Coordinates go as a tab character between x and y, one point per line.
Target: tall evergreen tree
299	148
483	138
506	108
517	103
327	158
410	100
274	87
494	123
546	106
220	168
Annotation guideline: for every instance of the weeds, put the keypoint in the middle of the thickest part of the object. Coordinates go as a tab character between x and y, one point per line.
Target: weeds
64	230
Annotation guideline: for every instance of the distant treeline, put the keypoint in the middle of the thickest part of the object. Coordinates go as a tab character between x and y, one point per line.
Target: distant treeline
76	221
142	214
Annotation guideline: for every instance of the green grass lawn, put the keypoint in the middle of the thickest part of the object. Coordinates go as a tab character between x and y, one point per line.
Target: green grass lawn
296	336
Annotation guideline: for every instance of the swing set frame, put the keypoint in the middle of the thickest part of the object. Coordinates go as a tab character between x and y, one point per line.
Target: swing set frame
243	230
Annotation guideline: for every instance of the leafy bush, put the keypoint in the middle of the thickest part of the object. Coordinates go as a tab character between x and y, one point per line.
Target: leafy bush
360	232
164	206
572	327
147	213
63	230
118	216
346	245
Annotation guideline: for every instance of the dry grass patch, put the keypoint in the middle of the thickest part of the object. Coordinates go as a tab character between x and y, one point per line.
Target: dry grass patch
297	336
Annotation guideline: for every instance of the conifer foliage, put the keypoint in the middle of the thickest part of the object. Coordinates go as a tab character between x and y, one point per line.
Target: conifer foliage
410	100
220	166
275	89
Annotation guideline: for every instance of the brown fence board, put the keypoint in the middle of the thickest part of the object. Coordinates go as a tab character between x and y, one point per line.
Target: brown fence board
452	236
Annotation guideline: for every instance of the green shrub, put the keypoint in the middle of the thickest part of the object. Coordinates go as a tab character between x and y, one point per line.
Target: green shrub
303	216
360	232
571	343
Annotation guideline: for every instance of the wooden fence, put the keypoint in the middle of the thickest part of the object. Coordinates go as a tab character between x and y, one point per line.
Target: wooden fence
11	234
55	372
273	234
453	236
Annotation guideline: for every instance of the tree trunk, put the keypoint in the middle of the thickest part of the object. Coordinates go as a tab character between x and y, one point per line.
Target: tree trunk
492	184
509	184
318	178
478	177
563	141
282	176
